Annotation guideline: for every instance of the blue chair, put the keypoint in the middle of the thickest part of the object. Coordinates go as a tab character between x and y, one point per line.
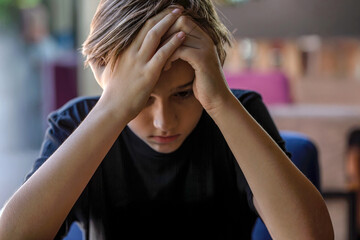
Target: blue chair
305	158
75	233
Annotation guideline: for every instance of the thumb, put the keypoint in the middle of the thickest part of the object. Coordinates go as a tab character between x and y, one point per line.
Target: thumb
169	62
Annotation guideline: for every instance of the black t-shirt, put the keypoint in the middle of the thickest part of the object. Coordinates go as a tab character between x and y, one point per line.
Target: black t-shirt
196	192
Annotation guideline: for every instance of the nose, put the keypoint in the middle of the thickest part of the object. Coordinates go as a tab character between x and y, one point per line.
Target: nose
164	116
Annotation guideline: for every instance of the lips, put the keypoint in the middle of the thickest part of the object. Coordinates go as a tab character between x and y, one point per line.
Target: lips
165	139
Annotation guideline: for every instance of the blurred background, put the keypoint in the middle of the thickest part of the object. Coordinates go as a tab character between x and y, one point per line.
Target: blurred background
302	56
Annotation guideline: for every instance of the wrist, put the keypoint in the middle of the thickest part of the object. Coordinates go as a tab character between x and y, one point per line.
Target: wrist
108	105
220	103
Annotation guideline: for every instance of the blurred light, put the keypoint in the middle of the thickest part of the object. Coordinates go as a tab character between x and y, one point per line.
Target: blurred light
27	3
310	43
5	2
231	2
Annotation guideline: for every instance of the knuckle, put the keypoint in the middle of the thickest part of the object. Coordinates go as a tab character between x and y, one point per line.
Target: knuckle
183	20
153	34
160	56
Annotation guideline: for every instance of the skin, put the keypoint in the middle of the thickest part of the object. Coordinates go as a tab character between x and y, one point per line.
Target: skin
289	204
172	111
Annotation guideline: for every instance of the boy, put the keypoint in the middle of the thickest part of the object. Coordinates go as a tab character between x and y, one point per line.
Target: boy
167	151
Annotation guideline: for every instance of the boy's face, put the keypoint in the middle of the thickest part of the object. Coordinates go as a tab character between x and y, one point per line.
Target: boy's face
172	111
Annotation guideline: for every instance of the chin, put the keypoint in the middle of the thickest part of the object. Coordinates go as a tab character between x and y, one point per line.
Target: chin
165	148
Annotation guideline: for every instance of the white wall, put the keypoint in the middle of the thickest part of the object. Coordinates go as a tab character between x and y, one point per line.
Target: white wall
15	156
86	10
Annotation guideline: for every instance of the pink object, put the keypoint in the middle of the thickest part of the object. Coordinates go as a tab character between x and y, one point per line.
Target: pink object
59	83
273	86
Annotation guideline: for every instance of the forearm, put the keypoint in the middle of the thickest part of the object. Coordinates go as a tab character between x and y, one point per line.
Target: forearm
39	207
288	203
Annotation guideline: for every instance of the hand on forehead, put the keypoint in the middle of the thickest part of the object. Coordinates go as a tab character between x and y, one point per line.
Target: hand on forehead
186	24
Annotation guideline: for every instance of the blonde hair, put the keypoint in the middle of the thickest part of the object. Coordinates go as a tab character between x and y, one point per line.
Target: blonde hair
117	22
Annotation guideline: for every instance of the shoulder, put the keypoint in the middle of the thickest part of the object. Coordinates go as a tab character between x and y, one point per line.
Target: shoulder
65	119
83	104
246	96
76	109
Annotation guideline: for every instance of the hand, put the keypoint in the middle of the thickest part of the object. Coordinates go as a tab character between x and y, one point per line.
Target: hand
136	71
199	50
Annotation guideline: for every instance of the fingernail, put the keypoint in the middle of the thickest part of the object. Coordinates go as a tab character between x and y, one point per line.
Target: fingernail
176	11
181	35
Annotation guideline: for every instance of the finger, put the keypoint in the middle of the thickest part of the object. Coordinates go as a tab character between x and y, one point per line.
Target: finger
190	42
163	42
186	24
167	67
153	37
189	55
158	61
150	23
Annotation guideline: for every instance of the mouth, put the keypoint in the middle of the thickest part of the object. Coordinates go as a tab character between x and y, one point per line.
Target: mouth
164	139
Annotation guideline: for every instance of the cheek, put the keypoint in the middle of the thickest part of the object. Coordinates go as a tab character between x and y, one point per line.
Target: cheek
192	113
140	124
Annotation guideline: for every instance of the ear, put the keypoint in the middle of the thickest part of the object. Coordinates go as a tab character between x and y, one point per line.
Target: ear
98	72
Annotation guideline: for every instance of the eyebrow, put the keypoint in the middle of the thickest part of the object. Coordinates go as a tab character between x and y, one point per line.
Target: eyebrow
185	85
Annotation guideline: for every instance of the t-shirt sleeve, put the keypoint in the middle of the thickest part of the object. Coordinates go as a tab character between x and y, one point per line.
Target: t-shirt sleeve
61	124
253	103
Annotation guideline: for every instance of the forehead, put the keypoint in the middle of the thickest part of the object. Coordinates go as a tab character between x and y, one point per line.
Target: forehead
179	74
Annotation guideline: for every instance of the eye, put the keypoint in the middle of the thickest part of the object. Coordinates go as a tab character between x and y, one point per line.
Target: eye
184	94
